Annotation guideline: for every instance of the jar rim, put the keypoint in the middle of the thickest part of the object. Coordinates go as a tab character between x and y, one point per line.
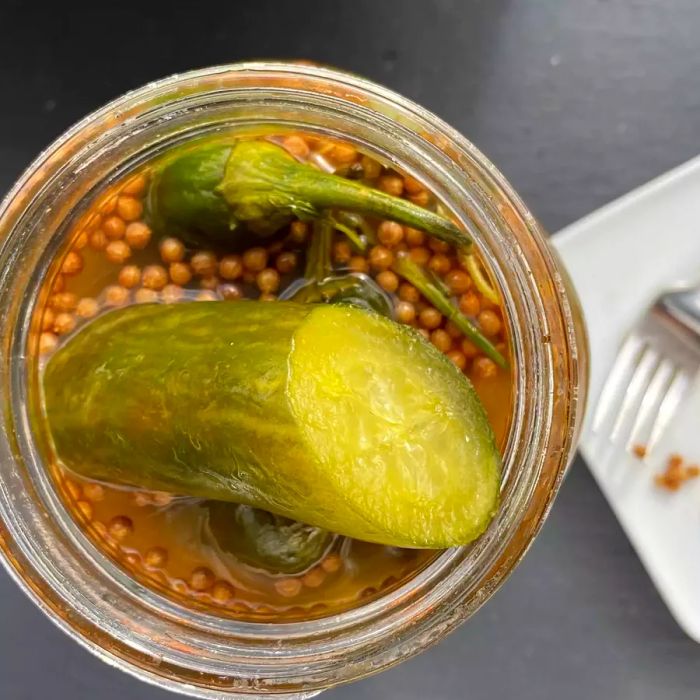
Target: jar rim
368	638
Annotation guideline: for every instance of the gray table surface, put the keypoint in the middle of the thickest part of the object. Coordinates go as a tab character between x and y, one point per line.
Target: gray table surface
576	101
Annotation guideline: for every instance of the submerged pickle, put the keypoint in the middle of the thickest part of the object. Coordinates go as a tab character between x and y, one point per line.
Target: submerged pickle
264	540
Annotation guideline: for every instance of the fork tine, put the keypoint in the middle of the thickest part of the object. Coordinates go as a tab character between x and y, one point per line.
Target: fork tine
643	373
680	383
625	362
651	402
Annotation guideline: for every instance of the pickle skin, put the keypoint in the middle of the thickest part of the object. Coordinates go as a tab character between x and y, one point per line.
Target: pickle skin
330	415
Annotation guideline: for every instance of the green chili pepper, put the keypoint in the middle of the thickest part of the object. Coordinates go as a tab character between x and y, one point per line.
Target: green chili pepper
263	540
212	190
326	414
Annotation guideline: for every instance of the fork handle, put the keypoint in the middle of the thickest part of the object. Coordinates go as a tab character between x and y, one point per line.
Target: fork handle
684	307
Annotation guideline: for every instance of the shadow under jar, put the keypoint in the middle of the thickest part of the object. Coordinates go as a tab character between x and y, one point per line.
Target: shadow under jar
109	600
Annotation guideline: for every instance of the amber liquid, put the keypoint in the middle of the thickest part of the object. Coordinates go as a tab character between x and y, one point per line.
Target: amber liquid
161	539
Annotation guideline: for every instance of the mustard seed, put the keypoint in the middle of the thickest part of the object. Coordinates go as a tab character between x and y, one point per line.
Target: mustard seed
47	342
342	252
113	228
94	492
268	280
116	295
180	273
204	263
145	296
201	579
439	263
172	250
72	264
129	208
286	262
136	186
414	237
118	252
231	267
405	312
63	323
469	304
458	281
390	233
87	307
391	184
440	338
98	240
154	277
430	318
129	276
63	301
380	258
484	368
155	557
120	526
407	292
255	259
222	592
288	587
421	199
47	319
469	349
331	563
489	323
314	578
411	185
171	293
458	357
358	263
420	255
438	246
230	291
138	235
388	281
298	231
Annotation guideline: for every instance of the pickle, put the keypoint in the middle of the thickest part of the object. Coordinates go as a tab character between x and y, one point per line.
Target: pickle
264	540
330	415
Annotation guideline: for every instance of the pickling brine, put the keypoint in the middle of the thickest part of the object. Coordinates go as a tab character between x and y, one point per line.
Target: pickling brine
227	453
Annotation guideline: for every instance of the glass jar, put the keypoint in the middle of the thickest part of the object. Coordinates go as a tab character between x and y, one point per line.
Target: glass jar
196	653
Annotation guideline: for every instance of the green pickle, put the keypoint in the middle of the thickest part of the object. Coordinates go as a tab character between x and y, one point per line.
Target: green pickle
329	415
264	540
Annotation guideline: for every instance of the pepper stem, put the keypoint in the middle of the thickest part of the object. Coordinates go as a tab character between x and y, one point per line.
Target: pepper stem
412	272
318	256
480	280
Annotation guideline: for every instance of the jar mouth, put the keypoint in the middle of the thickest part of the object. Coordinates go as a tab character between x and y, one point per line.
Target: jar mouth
194	652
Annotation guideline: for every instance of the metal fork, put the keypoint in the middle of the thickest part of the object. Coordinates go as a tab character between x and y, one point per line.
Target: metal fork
652	374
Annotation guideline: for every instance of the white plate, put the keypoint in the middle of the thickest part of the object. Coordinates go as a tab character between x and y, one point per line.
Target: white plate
620	258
